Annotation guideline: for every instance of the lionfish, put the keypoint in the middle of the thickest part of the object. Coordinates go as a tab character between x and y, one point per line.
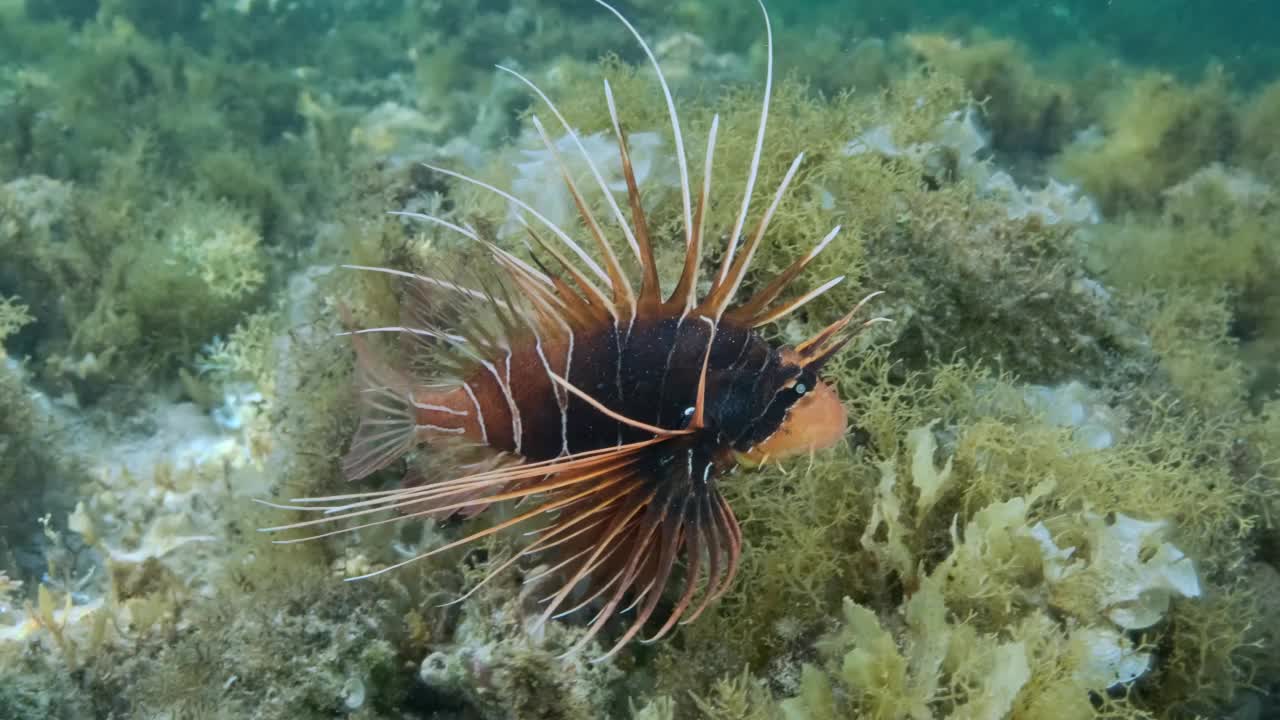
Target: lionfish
612	412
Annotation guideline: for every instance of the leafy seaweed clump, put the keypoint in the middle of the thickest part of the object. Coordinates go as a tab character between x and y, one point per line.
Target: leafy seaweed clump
1159	131
990	562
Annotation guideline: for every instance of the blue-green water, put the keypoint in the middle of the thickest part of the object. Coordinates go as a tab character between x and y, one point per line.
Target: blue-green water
1056	489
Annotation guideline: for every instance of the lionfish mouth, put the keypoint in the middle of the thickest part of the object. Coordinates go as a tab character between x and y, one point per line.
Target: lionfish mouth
612	411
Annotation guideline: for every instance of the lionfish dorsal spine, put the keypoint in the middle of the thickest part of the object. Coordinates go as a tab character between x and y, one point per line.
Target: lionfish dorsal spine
623	295
718	300
559	232
753	311
754	170
686	290
674	116
650	286
586	156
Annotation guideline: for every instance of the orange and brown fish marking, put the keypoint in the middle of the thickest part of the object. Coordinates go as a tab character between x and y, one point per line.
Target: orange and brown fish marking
613	411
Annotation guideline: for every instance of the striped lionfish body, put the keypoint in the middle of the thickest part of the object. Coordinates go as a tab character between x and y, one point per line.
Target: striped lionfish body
614	410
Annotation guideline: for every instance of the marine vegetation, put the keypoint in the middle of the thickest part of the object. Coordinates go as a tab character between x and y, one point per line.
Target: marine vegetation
618	410
1052	482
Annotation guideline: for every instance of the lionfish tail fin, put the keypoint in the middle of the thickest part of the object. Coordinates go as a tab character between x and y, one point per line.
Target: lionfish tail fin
387	424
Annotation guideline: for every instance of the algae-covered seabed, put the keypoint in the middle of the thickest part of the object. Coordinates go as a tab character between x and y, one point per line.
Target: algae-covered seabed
1059	494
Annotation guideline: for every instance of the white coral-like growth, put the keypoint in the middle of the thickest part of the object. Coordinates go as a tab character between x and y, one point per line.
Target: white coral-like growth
1105	658
1132	573
539	182
962	135
1064	611
1075	405
1242	187
1142	572
397	133
960	132
1056	202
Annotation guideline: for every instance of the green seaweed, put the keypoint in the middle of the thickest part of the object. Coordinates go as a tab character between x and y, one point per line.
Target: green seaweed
1025	111
835	520
167	227
1259	138
1206	266
814	537
286	625
1160	131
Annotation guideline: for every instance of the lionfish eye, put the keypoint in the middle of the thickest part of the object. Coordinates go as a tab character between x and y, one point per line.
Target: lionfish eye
800	388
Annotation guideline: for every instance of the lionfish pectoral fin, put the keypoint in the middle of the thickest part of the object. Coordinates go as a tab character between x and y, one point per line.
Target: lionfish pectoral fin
617	417
700	405
415	479
578	493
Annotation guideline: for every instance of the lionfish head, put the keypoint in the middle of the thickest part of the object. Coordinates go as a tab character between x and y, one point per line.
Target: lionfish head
790	410
813	418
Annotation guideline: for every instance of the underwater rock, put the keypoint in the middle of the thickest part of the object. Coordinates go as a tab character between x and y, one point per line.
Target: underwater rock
685	57
1105	658
1074	405
504	665
396	134
963	143
538	179
1055	203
